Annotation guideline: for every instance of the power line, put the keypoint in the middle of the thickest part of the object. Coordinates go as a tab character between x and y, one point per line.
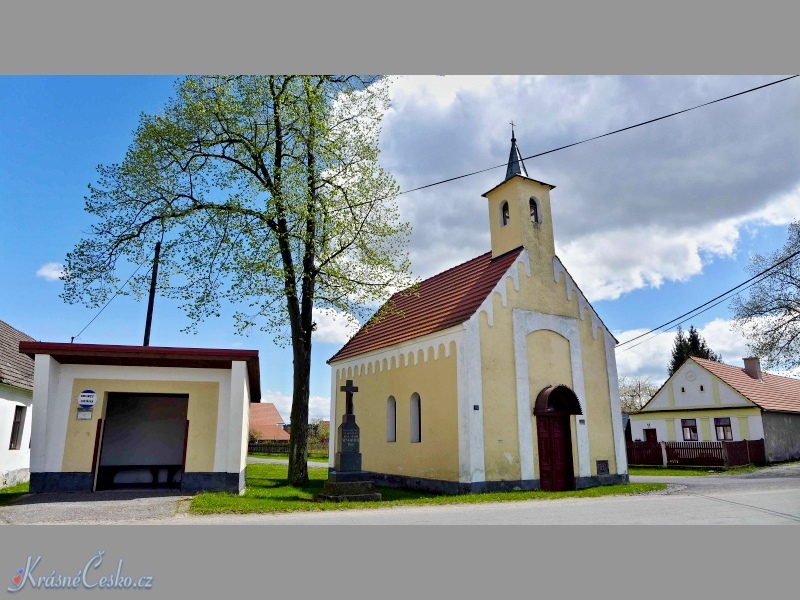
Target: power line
597	137
718	302
107	303
721	296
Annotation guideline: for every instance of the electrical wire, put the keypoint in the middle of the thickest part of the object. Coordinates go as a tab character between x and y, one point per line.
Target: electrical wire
716	300
597	137
74	337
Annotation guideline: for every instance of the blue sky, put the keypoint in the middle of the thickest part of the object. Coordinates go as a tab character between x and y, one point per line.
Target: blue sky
650	222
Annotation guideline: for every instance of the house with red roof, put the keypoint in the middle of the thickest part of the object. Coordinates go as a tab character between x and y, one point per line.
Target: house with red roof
494	374
267	423
708	401
16	397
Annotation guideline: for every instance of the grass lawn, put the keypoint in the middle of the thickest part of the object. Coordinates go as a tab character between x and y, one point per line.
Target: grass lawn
313	456
689	471
11	493
268	492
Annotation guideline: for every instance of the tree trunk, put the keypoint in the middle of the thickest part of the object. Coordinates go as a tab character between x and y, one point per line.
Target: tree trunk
298	438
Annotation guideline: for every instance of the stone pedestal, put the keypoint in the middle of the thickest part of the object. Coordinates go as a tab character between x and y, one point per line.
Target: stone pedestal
347	481
359	491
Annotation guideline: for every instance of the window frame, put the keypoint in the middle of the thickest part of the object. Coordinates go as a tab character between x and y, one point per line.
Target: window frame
17	427
534	209
505	214
415	419
689	426
727	430
391	419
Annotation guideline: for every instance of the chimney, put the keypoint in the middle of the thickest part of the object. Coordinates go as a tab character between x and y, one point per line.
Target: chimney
752	366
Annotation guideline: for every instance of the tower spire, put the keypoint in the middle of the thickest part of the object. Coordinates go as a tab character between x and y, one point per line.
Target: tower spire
515	164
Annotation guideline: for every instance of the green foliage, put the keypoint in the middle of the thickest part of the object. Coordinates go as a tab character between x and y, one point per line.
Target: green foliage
266	194
252	436
770	316
689	344
13	492
319	431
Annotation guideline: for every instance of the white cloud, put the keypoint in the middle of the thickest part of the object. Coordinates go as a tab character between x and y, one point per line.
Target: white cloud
652	357
631	211
333	327
51	271
318	406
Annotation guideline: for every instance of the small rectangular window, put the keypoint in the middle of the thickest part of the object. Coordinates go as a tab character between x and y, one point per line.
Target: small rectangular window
689	427
16	428
702	389
723	429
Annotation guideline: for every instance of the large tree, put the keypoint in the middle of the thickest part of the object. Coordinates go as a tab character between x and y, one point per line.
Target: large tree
635	392
689	344
770	316
266	194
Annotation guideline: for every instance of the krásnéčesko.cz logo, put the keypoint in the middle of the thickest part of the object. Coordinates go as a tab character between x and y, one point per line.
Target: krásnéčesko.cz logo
86	578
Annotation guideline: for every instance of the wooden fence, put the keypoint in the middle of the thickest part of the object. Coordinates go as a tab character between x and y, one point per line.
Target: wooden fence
644	453
705	454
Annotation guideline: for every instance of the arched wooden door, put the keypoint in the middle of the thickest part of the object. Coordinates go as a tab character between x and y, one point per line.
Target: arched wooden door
552	410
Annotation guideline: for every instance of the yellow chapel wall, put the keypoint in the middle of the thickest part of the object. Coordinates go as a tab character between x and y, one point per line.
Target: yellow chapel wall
540	292
430	371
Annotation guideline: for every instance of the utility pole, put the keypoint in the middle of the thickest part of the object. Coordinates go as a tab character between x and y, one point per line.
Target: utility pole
152	296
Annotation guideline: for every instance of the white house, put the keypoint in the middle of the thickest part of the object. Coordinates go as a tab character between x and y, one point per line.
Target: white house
708	401
16	396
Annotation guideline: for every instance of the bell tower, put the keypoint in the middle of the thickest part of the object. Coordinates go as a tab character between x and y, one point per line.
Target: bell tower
519	212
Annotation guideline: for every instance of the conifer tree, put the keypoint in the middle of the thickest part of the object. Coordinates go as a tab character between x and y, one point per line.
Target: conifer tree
689	344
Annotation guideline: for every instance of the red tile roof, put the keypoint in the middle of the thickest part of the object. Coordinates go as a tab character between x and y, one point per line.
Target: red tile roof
264	419
149	356
15	369
775	392
442	301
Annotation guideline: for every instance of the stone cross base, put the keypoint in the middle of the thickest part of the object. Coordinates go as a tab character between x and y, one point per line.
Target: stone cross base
359	491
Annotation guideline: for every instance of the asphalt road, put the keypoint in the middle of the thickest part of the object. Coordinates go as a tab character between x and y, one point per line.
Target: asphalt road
769	496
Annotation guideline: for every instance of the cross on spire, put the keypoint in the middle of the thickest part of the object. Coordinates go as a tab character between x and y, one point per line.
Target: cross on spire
348	390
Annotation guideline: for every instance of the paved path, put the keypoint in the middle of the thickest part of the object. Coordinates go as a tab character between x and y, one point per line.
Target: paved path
768	496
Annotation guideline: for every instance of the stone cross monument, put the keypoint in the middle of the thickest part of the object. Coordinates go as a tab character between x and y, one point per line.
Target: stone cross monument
347	481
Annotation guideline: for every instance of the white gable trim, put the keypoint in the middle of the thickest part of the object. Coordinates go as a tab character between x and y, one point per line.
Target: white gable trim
526	322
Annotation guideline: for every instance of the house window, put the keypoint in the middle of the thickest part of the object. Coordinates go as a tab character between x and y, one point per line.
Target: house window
534	211
723	427
16	428
689	429
391	420
416	419
504	215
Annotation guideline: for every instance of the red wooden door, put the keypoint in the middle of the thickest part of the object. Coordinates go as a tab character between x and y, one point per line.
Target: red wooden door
650	435
555	453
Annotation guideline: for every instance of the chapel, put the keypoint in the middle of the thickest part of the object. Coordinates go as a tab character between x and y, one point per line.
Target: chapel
496	374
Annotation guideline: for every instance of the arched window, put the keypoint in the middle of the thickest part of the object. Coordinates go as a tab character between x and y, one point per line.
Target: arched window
534	211
504	215
391	420
416	418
